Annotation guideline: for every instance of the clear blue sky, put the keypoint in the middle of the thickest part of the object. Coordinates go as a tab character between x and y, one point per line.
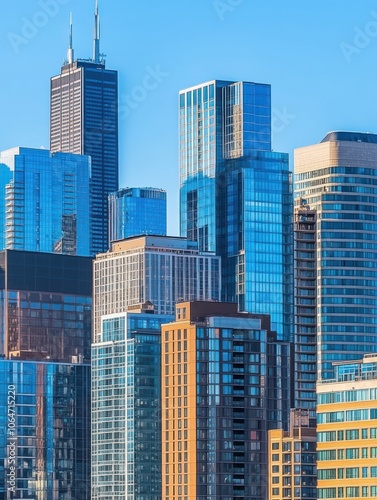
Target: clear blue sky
320	58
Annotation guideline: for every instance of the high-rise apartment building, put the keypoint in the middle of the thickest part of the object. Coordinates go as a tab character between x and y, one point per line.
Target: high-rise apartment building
126	406
236	195
335	178
347	430
45	430
224	385
305	327
45	201
162	270
137	211
84	120
292	459
46	306
45	334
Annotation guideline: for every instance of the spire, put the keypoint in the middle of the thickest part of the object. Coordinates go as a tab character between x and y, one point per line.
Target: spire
70	51
96	40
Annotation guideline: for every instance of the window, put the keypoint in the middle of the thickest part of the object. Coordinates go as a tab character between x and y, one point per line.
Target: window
327	474
326	492
352	492
275	446
275	457
352	472
352	453
352	434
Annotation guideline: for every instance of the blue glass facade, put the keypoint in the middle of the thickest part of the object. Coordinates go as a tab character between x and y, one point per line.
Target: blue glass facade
137	211
45	430
337	178
236	195
45	201
126	407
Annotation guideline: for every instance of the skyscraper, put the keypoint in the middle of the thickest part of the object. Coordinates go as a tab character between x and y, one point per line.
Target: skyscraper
137	211
44	201
236	196
305	324
336	179
162	270
84	120
126	406
45	333
45	441
46	306
224	385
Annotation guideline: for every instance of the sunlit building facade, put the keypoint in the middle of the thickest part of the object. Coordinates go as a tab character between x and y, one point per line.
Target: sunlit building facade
292	459
126	406
347	430
336	178
45	201
160	269
236	195
137	211
224	385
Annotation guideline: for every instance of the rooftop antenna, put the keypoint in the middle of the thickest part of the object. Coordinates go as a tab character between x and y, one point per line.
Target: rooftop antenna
70	51
96	39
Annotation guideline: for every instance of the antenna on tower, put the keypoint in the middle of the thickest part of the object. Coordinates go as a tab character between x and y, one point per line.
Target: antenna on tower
96	39
70	51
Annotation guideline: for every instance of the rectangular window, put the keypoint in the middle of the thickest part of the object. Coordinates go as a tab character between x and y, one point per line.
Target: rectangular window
352	472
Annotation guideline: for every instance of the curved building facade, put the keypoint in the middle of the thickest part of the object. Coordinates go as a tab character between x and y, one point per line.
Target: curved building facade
338	179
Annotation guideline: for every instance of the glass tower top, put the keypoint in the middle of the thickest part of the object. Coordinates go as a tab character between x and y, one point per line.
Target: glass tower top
236	195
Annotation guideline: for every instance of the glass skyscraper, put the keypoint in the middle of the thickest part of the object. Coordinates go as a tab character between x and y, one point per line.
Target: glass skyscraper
337	179
236	195
45	306
84	120
137	211
45	200
126	407
45	430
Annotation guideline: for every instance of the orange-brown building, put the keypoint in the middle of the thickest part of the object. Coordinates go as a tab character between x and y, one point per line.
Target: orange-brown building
223	374
347	431
292	459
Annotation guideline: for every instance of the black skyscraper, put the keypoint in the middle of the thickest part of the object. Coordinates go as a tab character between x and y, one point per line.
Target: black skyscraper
84	120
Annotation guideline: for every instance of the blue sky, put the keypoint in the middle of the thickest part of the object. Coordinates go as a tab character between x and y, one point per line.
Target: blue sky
320	58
